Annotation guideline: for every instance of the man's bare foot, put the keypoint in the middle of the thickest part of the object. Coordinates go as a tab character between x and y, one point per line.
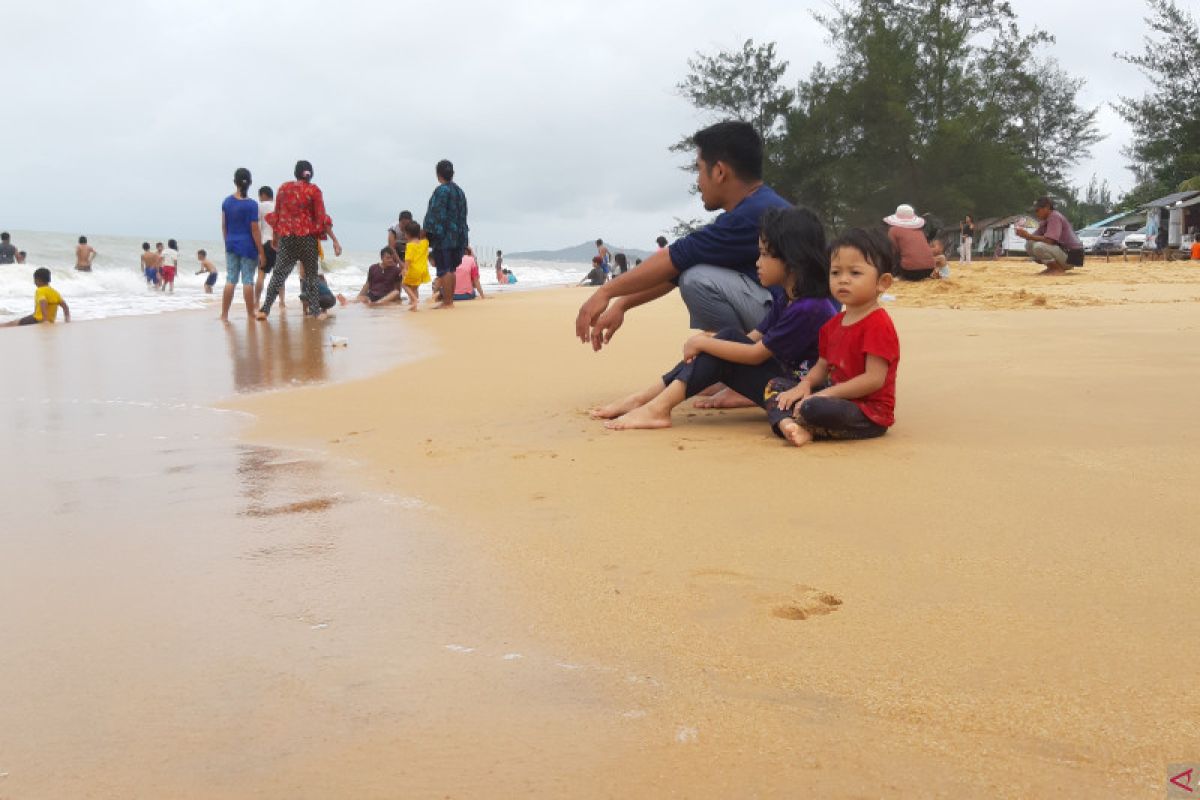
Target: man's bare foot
795	433
641	418
321	316
726	398
413	307
1053	271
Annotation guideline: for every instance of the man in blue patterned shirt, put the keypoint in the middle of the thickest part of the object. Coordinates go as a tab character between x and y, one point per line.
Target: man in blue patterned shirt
446	226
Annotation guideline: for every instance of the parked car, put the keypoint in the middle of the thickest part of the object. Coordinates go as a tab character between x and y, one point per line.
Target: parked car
1135	240
1088	237
1112	240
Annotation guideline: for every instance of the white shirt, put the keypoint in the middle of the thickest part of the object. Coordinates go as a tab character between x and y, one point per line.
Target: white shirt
265	207
170	257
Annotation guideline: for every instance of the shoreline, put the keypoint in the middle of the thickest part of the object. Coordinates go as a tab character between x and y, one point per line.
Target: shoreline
721	605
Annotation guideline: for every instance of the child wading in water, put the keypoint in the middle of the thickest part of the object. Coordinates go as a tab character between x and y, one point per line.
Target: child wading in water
791	262
851	391
415	264
206	266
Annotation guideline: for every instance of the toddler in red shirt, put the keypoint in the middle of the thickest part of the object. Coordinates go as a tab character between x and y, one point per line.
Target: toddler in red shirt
851	391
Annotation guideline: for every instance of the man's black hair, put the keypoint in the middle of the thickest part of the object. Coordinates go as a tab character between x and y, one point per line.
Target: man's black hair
83	240
4	236
202	253
405	215
599	242
499	253
41	275
1044	202
661	241
736	144
172	244
385	251
875	247
145	245
445	170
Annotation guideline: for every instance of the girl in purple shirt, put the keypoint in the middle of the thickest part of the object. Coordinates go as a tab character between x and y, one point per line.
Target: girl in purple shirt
794	265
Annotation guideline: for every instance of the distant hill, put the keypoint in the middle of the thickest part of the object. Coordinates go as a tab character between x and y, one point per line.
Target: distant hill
582	253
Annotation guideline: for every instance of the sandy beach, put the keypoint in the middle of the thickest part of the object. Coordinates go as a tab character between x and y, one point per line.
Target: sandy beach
444	580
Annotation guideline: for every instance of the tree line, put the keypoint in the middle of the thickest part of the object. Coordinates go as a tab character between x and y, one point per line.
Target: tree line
954	107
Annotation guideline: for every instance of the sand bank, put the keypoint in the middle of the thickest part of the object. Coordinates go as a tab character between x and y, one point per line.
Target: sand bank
992	600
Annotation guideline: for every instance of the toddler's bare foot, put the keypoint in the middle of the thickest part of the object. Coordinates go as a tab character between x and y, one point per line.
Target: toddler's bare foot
795	433
726	398
642	418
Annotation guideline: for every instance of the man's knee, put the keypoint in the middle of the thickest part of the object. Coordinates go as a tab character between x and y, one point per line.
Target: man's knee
731	335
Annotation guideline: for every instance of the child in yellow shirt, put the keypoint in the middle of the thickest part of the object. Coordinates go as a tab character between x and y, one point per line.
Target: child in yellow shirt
46	302
416	262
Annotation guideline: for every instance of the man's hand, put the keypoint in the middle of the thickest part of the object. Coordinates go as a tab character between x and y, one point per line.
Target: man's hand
606	326
1024	234
589	314
337	249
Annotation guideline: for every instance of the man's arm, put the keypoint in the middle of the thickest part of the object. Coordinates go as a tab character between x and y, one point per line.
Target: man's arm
653	279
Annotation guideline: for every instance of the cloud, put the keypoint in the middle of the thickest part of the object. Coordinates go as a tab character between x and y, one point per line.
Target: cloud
130	117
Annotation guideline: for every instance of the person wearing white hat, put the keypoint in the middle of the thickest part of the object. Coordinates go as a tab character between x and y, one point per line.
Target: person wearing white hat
914	254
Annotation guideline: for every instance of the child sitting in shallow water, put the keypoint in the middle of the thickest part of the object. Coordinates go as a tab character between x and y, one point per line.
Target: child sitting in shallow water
850	393
792	262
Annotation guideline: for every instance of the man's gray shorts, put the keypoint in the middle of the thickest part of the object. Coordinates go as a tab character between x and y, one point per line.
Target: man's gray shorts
1045	253
719	298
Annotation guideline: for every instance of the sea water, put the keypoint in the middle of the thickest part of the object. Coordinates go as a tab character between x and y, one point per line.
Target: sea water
116	286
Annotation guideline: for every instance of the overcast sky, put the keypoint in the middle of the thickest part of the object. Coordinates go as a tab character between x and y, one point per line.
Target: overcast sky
129	117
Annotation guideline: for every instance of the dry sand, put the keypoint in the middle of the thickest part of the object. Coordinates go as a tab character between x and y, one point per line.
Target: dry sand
996	599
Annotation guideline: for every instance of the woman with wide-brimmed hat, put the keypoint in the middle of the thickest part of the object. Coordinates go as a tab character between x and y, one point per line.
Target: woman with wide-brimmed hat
914	254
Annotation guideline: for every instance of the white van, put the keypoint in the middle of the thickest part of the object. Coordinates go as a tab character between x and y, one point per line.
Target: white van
1014	245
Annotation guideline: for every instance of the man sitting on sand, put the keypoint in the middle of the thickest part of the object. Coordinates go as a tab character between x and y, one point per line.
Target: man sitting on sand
1054	243
383	281
713	267
46	302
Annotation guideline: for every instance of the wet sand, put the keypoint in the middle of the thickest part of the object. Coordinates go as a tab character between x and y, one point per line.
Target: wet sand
444	580
192	616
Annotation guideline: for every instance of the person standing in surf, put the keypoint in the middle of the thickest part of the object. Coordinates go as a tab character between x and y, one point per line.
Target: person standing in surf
244	254
297	222
446	226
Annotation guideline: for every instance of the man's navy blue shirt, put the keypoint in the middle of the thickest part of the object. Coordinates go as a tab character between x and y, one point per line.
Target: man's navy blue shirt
731	241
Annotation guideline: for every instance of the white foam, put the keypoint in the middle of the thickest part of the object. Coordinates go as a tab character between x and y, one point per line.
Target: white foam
116	286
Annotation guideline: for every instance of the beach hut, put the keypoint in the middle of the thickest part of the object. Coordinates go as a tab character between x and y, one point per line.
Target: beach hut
1168	212
1000	234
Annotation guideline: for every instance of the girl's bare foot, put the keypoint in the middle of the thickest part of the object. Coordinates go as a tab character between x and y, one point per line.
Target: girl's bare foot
795	433
642	418
726	398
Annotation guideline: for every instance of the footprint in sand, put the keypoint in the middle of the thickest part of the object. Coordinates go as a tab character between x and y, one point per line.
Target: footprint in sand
730	593
809	603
